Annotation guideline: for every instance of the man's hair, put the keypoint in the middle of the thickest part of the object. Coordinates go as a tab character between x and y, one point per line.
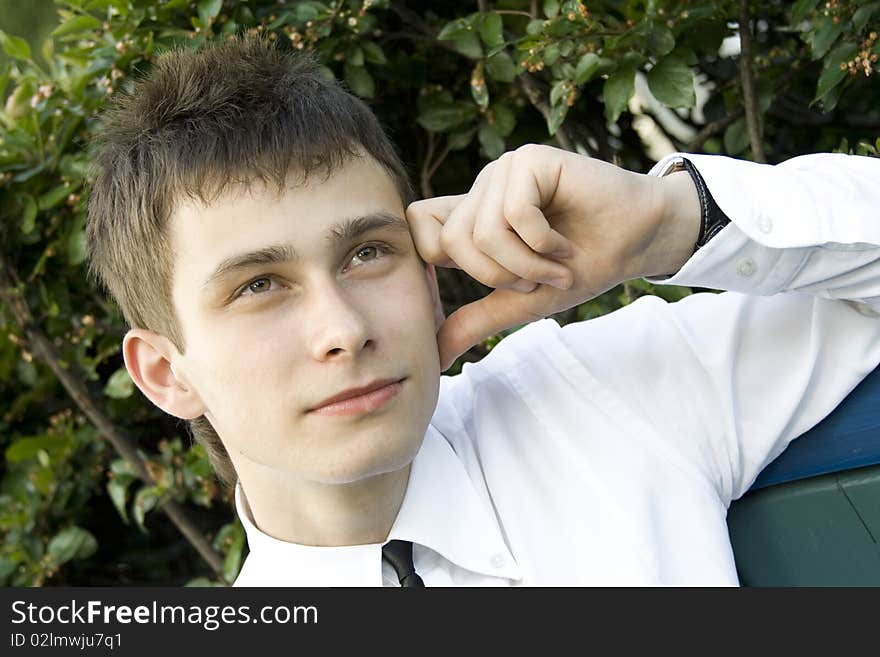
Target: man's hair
233	112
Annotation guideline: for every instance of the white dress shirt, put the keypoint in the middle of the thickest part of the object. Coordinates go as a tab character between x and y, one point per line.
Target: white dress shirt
607	452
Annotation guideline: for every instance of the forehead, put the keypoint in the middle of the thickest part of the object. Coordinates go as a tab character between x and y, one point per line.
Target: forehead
244	220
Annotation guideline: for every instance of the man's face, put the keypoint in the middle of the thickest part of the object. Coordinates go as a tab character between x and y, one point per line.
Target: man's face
284	303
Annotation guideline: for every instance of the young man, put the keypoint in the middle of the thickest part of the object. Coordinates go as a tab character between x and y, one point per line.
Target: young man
251	220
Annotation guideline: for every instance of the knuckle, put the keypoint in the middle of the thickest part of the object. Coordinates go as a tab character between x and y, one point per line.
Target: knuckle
447	238
483	239
497	278
528	149
543	242
513	212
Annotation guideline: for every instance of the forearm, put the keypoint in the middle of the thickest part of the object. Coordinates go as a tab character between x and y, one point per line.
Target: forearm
679	222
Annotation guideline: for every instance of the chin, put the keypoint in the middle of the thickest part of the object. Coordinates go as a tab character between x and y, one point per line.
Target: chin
351	467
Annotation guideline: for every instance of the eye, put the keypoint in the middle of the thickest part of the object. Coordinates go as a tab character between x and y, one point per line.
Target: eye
368	253
255	287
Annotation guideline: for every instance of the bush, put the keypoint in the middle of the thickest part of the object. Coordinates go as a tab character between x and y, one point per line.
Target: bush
79	442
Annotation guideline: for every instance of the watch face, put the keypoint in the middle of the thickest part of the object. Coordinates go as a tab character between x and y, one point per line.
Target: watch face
672	166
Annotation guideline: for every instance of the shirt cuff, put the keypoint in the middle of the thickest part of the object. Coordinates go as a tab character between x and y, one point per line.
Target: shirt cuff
738	257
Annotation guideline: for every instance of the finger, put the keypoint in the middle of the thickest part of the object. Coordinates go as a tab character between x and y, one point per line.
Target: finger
494	237
481	267
523	207
507	249
426	219
476	321
456	240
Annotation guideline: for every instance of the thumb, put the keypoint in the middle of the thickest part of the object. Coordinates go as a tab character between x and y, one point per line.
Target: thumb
476	321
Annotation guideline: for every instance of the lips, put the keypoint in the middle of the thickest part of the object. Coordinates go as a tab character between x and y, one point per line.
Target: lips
351	393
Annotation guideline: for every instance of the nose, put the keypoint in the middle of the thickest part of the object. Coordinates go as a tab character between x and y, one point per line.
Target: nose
340	328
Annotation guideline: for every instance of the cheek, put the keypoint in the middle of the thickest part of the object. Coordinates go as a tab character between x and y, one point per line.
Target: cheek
405	304
242	361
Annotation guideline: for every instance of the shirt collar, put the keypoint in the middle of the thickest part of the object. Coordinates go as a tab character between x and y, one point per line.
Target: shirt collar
440	510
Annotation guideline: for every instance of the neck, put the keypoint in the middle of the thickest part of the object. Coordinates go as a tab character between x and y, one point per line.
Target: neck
320	514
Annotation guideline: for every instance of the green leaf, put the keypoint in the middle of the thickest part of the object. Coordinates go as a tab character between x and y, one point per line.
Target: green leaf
457	28
203	582
122	467
443	118
491	141
208	10
619	88
82	23
492	29
534	27
551	54
736	137
120	385
863	14
29	214
14	46
76	247
501	67
373	53
468	45
306	11
4	78
7	567
54	196
27	448
71	543
145	500
232	562
117	487
27	373
824	37
800	10
356	56
557	91
504	120
360	81
586	68
557	116
102	5
479	90
551	8
661	41
461	139
18	103
832	74
672	82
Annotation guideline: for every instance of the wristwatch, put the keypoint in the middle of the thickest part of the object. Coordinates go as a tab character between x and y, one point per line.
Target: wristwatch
712	218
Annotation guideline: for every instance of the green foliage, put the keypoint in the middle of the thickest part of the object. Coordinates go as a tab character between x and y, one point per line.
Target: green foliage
454	88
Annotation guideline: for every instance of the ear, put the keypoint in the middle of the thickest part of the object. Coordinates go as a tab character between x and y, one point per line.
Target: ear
439	314
148	359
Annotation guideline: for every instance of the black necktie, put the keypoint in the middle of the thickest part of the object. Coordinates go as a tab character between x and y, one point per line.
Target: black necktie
399	555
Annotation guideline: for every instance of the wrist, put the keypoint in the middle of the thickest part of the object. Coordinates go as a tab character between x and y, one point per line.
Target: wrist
678	224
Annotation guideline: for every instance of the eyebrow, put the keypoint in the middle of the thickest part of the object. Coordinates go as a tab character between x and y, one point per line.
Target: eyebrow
345	230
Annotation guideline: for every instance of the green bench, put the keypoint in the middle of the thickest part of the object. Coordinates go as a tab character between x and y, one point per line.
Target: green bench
812	517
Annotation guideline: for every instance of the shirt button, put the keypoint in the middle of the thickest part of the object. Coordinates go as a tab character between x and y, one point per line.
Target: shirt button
765	224
497	561
745	267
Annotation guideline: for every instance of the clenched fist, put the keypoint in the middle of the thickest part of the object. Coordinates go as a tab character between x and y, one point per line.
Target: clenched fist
550	229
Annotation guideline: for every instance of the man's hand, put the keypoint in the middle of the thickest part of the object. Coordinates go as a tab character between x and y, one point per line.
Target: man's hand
550	229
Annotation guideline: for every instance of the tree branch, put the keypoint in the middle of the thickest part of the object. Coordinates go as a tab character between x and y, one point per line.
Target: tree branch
43	349
530	87
750	100
424	174
712	129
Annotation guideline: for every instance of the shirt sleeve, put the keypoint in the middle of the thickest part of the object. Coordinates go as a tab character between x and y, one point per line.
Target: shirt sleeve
728	380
